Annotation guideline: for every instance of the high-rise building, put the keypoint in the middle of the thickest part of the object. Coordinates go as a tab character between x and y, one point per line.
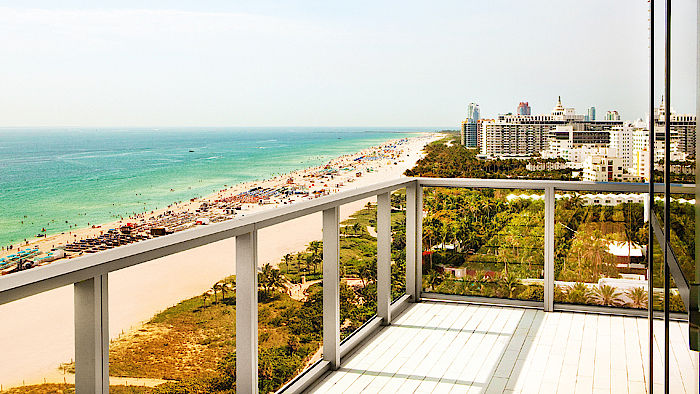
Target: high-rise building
622	143
473	112
590	114
612	115
682	128
469	133
573	143
469	128
479	126
640	146
524	108
526	135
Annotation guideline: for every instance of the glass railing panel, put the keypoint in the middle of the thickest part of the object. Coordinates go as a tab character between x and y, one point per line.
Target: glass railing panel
600	249
358	264
484	242
659	333
676	304
683	233
173	320
37	344
290	300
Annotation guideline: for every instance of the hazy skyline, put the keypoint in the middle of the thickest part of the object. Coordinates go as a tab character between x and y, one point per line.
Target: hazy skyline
313	63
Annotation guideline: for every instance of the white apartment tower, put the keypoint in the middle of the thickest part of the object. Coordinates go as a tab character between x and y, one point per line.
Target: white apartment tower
469	129
526	135
682	128
621	144
602	168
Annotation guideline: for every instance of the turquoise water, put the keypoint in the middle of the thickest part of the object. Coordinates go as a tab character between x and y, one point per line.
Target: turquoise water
55	179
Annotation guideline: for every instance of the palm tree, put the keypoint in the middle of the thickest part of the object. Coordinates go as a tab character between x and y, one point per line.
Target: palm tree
430	230
314	247
316	259
433	279
275	281
298	258
264	277
308	262
356	228
638	297
218	286
462	235
486	206
509	283
287	259
576	201
364	274
445	231
213	289
578	294
204	298
591	253
224	288
606	295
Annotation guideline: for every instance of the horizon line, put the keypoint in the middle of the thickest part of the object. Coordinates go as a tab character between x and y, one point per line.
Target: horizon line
214	126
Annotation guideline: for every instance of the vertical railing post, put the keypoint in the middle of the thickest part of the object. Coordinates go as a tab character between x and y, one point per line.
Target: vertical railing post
384	258
331	287
649	209
411	241
549	205
667	196
91	335
414	241
694	317
247	312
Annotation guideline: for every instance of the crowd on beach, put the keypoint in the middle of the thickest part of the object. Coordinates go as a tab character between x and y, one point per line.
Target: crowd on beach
225	204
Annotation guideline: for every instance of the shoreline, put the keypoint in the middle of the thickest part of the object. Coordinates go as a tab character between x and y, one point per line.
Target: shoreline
309	180
139	292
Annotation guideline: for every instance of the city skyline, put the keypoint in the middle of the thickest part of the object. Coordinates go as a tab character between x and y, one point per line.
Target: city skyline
366	64
589	111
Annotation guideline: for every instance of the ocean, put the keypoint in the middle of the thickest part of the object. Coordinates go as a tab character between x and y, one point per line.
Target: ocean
62	179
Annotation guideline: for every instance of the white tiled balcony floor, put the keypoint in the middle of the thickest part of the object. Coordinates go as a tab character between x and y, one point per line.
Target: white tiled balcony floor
440	347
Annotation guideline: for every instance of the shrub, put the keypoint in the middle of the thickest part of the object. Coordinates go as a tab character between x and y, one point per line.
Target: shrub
559	294
676	304
606	295
578	294
638	298
532	292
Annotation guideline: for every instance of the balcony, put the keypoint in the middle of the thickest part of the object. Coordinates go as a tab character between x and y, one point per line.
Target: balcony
422	341
446	347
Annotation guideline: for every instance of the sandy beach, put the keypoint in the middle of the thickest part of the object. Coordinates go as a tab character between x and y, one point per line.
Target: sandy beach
37	334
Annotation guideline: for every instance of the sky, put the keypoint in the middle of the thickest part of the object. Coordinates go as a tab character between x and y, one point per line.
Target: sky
319	63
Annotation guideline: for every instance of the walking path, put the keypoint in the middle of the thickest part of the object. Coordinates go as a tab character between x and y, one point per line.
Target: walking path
298	291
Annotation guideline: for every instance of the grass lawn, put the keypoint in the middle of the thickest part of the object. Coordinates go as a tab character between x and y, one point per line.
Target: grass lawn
51	388
189	339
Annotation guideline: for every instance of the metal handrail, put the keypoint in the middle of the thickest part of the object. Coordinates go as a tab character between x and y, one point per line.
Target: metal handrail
38	280
618	187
